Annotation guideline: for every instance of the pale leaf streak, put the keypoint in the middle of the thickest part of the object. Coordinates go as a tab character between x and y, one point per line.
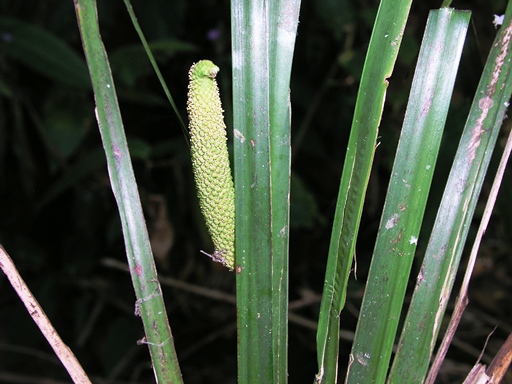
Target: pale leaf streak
486	102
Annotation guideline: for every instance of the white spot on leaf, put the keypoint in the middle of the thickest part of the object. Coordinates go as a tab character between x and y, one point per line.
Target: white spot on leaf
239	135
392	221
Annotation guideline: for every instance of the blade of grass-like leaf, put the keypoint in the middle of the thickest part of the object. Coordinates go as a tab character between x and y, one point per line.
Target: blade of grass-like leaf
149	304
251	89
151	58
455	213
263	37
407	194
501	362
498	367
380	60
284	18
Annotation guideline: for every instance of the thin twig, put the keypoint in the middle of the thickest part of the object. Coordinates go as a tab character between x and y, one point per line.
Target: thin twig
62	351
462	298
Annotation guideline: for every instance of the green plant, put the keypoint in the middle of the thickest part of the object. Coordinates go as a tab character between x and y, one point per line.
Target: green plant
263	40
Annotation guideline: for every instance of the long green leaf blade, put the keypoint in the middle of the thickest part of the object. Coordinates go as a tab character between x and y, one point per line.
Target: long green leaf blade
407	194
284	18
380	60
263	36
455	212
149	305
151	58
252	191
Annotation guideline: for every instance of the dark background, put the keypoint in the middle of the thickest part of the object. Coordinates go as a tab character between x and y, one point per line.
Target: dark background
59	221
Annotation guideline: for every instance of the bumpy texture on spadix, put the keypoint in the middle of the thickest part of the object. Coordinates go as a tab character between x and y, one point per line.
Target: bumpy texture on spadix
210	160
